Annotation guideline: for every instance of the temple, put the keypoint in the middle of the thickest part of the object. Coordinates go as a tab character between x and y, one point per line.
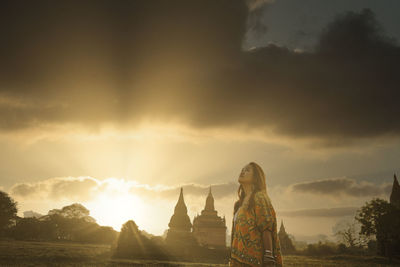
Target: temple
395	195
179	232
209	229
285	241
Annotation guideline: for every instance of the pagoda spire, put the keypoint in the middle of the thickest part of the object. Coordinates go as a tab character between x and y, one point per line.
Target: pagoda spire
395	195
209	229
282	228
180	206
210	201
284	239
180	218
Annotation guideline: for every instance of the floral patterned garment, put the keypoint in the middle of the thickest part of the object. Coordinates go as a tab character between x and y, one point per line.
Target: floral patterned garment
247	244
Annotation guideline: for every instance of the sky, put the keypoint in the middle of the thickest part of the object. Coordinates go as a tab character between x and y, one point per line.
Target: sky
119	104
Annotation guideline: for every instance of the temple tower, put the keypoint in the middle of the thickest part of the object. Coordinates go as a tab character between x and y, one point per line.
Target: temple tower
395	195
179	232
285	241
208	228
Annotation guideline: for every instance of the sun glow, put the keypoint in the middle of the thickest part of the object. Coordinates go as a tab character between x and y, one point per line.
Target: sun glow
116	205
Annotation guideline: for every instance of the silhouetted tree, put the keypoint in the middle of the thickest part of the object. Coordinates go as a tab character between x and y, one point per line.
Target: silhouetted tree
349	234
71	223
132	243
370	214
27	229
73	211
104	234
320	249
8	212
48	229
381	219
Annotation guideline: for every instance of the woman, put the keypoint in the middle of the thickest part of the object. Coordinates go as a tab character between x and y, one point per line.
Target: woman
254	238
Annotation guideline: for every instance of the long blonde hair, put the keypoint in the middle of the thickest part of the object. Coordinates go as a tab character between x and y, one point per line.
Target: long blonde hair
259	184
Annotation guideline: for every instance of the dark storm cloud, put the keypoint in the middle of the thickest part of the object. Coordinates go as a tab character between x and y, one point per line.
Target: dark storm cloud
338	187
329	212
91	62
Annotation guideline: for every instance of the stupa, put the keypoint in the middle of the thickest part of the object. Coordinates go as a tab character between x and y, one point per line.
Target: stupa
395	195
209	229
285	241
179	232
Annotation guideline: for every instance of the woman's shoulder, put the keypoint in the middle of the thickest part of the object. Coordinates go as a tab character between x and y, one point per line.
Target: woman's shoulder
261	194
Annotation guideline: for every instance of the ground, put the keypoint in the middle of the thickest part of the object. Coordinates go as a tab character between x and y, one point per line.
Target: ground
30	253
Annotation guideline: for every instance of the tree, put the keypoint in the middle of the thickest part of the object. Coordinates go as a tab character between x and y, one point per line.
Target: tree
349	234
8	211
27	229
73	223
378	218
104	235
73	211
132	243
369	216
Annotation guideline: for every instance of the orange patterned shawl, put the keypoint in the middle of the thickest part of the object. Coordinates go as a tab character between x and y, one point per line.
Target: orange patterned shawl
246	239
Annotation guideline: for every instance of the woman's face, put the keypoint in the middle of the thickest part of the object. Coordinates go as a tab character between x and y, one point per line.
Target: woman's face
246	175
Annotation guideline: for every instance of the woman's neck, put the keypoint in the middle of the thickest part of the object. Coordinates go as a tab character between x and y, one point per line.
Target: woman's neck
247	189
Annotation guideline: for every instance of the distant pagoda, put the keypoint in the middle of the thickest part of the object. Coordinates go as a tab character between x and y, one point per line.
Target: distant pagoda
208	228
179	232
285	241
395	195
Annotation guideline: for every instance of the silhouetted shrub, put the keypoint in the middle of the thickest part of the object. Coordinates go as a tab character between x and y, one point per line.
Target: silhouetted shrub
133	244
321	249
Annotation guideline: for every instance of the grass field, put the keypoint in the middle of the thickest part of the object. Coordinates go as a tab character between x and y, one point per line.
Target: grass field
24	253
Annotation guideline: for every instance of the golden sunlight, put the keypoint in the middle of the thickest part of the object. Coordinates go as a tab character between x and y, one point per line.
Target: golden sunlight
115	205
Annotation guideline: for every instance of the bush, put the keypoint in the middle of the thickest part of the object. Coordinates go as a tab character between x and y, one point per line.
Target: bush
321	249
133	244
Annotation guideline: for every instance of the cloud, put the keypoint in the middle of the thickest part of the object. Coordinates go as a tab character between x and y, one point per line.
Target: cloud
26	190
71	188
327	212
193	190
303	210
338	187
119	62
86	188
